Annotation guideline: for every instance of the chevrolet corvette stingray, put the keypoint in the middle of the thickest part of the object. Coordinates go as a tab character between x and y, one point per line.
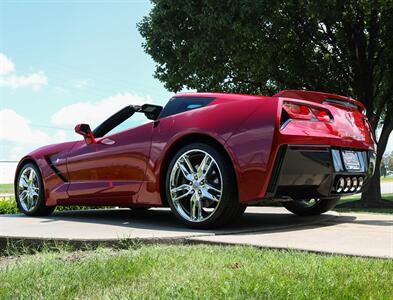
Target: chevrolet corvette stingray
207	156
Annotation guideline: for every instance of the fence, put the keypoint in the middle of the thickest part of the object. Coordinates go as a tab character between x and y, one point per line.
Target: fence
7	171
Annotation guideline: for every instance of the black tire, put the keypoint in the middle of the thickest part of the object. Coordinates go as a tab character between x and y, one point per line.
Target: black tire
40	208
228	208
303	208
241	211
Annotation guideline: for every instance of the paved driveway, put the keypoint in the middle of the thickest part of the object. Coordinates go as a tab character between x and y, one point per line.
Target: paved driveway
272	227
387	187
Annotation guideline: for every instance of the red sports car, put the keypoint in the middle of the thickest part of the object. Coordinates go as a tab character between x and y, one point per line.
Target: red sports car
207	156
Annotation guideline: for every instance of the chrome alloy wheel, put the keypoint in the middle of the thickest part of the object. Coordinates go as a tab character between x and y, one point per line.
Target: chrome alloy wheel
28	189
196	185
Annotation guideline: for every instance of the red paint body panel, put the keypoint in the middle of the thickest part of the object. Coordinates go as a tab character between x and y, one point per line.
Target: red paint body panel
112	170
126	168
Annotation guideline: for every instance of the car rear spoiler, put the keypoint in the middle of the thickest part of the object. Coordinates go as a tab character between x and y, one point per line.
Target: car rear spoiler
321	98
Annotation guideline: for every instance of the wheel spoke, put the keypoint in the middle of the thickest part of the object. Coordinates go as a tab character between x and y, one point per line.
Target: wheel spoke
23	182
209	187
22	196
209	196
33	201
34	193
180	188
31	176
200	216
189	165
28	202
194	205
205	166
202	165
181	196
208	168
186	173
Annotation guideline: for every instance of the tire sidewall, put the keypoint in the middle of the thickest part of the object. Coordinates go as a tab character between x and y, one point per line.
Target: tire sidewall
228	182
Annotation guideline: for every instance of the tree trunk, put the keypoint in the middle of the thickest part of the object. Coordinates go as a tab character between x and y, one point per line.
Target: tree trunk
372	195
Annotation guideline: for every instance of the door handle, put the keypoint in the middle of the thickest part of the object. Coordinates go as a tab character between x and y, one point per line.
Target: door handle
107	142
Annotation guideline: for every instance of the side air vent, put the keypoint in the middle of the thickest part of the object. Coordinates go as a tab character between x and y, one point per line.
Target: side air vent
56	170
276	169
284	119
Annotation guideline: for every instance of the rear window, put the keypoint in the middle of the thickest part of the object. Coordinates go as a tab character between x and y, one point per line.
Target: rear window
178	105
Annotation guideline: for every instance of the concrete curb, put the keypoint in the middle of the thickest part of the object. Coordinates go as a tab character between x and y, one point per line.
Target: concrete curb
351	234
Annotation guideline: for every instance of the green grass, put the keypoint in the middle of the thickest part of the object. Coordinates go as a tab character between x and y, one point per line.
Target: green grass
365	210
387	179
6	188
388	197
197	272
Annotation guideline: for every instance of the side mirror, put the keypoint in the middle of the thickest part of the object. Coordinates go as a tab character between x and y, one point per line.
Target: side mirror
85	131
151	111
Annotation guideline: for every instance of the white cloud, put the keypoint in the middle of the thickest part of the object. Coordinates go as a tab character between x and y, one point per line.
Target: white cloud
16	128
80	84
6	65
18	137
35	80
94	113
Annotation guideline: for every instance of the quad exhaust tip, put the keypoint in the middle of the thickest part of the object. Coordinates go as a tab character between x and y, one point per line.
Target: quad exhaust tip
340	185
354	184
360	183
349	184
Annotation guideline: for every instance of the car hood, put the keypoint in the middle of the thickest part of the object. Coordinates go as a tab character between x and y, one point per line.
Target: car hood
52	149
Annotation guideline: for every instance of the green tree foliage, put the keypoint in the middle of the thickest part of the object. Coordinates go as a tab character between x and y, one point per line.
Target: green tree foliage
261	47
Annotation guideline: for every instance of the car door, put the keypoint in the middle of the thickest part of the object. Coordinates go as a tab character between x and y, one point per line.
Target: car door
111	168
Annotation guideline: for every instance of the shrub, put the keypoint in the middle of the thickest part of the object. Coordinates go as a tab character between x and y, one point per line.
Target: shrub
8	206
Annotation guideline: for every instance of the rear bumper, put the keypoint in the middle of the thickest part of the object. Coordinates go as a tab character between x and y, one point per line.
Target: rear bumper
306	171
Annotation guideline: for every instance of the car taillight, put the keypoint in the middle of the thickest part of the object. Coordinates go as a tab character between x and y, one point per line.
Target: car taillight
321	115
305	112
296	111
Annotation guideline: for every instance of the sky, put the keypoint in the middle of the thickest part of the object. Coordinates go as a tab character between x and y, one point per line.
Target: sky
63	63
69	62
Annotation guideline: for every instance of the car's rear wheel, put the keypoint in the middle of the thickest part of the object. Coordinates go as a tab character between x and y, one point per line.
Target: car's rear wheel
201	187
30	196
311	207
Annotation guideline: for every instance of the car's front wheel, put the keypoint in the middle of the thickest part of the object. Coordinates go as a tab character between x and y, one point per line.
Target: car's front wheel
30	196
311	207
201	187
